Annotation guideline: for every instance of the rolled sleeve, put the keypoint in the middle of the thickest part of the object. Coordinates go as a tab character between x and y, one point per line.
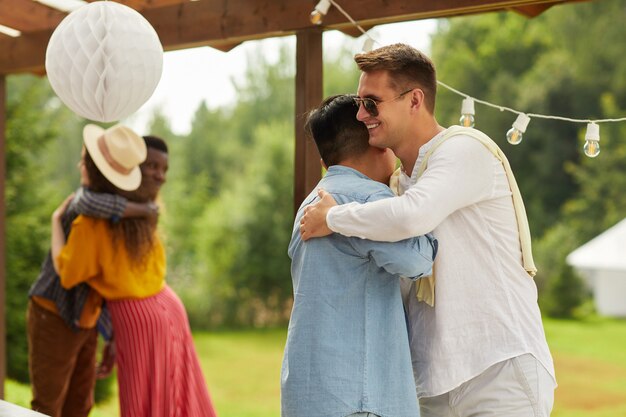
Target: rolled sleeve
99	205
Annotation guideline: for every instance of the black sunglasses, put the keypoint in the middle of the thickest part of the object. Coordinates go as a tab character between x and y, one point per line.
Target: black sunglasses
371	105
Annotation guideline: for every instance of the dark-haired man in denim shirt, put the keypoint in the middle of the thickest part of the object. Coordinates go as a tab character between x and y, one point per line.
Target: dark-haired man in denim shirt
347	351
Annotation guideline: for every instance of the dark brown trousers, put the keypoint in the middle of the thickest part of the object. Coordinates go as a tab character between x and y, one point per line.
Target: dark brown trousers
62	365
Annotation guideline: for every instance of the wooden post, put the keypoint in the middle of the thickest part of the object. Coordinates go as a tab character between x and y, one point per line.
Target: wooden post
3	335
309	76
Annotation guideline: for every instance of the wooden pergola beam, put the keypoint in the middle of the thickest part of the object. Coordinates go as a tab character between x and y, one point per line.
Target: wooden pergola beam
221	24
3	338
24	54
141	5
28	15
532	10
309	90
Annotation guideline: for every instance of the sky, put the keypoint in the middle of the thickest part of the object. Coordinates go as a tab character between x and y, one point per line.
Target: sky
193	75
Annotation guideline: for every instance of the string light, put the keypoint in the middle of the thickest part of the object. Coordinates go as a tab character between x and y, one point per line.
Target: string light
592	140
514	135
317	15
467	112
368	45
14	33
323	6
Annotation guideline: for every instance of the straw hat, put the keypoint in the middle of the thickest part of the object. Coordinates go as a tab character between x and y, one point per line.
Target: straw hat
117	152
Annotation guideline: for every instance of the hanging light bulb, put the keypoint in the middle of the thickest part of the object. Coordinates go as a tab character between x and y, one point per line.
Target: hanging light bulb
467	112
317	15
514	135
592	140
368	45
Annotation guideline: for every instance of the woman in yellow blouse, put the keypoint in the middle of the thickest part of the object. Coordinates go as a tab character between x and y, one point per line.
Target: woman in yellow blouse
158	370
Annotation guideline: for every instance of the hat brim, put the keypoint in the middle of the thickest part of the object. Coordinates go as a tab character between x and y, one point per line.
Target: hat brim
129	182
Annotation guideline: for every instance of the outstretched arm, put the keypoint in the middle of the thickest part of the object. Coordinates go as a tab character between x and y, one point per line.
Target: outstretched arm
313	222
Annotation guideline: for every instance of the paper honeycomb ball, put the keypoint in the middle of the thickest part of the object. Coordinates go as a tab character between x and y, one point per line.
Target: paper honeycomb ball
104	61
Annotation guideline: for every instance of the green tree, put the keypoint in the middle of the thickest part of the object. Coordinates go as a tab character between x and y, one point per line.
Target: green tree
599	204
266	92
221	157
541	65
547	65
246	234
489	57
236	188
34	120
341	75
43	146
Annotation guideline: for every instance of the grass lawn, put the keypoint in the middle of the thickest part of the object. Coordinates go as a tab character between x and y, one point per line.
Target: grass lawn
243	370
590	361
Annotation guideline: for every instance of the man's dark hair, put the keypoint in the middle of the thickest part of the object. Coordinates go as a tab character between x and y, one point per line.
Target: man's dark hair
155	142
336	131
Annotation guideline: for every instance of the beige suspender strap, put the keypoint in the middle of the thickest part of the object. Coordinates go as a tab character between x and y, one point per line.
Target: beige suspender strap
452	131
426	286
394	181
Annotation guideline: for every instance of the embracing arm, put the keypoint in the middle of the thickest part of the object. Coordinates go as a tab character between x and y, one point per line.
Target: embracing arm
77	259
459	174
57	235
112	206
411	258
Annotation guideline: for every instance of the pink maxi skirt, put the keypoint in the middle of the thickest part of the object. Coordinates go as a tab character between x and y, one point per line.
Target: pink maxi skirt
158	370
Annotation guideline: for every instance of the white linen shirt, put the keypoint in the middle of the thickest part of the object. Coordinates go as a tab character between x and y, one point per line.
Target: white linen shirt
485	302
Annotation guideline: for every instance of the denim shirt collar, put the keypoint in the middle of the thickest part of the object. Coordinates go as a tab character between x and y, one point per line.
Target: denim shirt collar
343	170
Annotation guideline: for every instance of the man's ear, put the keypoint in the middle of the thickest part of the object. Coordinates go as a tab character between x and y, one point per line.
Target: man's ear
417	98
323	164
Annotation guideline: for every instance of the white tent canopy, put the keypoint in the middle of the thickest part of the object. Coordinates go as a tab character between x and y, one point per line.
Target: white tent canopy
606	251
602	261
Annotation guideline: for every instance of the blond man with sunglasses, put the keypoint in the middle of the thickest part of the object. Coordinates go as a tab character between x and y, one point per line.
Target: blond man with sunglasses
477	341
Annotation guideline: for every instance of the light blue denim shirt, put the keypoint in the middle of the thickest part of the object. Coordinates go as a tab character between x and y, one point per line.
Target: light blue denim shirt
347	347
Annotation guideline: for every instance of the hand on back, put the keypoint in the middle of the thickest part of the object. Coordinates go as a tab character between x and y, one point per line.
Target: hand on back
313	222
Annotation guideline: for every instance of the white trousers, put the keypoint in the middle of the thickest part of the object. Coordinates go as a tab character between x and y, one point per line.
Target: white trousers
517	387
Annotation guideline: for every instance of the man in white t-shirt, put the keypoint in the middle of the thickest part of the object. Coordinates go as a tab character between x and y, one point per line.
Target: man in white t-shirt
477	343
